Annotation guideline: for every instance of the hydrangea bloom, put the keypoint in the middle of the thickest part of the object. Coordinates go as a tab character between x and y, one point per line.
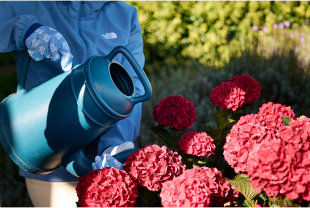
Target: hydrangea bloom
247	132
197	187
153	165
276	161
249	85
175	111
271	114
228	95
195	143
281	170
108	187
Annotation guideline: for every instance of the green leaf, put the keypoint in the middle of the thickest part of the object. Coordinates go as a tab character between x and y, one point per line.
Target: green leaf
241	201
202	162
216	114
263	197
190	159
162	134
286	121
285	202
242	184
224	122
78	204
176	136
214	133
224	113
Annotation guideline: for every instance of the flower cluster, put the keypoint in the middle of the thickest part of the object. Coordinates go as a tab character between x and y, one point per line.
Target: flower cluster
228	95
275	157
153	165
271	114
194	143
108	187
251	130
239	90
200	186
175	111
241	139
249	85
281	167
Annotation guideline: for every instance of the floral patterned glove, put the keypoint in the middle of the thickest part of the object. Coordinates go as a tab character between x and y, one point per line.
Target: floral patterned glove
107	159
46	42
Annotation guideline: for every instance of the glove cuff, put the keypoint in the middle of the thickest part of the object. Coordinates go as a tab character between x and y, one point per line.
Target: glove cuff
30	30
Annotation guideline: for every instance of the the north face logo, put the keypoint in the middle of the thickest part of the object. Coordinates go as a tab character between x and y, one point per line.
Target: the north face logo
111	35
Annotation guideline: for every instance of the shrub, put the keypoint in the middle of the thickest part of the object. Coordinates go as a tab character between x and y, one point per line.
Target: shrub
173	31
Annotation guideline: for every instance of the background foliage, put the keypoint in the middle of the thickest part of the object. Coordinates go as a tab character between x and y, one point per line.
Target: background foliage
173	31
190	48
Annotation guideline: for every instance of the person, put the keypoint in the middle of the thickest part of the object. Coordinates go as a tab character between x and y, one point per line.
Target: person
58	35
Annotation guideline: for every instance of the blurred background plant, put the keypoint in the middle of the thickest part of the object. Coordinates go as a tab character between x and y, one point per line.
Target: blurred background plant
192	47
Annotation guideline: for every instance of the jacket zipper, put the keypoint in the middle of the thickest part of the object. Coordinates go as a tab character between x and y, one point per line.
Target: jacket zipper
79	28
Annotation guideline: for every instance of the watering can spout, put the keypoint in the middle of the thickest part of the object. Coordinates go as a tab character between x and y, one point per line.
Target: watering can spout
61	116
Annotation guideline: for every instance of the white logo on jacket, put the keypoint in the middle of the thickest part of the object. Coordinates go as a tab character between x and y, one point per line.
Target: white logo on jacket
111	35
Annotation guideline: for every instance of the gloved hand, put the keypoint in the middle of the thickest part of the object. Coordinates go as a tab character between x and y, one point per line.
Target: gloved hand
107	159
46	42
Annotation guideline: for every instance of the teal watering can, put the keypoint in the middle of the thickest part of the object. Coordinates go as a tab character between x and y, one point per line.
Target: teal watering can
48	125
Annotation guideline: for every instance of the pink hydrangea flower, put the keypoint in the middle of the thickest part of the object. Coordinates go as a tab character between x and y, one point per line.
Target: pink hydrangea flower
249	85
153	165
276	162
198	187
271	114
107	187
247	132
175	111
228	95
199	144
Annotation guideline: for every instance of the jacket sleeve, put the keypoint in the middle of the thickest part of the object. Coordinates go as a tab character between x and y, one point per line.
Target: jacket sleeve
13	28
128	128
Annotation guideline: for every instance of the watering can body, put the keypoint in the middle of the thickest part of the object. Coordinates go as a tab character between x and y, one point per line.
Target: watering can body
48	125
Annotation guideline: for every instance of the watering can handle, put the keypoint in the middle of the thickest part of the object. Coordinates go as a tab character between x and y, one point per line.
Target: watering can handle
135	65
23	73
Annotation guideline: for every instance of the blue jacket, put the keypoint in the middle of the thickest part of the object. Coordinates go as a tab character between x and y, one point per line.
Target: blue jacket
90	28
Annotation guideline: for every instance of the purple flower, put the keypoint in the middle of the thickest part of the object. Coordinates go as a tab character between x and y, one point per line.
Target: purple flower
292	36
307	20
255	27
265	28
281	25
275	26
287	23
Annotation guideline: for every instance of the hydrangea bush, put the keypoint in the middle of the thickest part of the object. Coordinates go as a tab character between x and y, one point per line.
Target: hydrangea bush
245	160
